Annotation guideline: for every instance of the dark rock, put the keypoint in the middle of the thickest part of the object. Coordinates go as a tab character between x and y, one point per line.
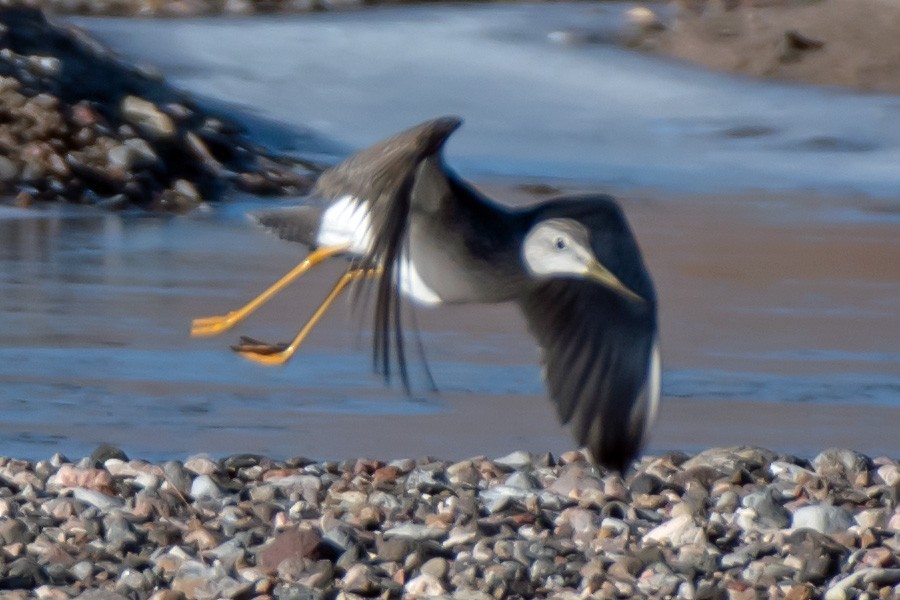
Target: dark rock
104	452
644	483
23	573
793	45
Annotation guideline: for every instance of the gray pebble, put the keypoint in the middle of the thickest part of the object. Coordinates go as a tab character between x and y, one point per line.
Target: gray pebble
822	518
517	460
97	499
177	476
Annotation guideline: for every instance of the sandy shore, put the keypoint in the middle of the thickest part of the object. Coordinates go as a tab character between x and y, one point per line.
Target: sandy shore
849	43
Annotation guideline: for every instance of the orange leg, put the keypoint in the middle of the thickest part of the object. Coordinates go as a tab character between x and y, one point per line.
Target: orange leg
279	354
206	326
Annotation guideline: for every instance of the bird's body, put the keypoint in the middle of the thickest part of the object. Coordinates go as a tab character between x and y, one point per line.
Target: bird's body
570	263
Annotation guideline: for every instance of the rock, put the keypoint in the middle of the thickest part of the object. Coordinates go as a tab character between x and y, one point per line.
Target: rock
790	472
70	476
645	483
100	595
290	543
104	452
437	567
766	513
515	460
793	45
822	518
238	7
98	499
82	570
201	465
177	476
24	573
644	18
118	531
730	460
424	586
14	531
415	531
875	518
425	481
148	117
133	152
204	486
840	464
521	480
359	579
461	536
677	532
167	595
8	170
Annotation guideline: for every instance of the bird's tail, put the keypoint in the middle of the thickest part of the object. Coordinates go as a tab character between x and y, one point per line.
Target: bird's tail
295	224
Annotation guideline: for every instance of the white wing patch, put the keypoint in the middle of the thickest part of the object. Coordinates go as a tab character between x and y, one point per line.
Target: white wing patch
650	393
412	286
346	223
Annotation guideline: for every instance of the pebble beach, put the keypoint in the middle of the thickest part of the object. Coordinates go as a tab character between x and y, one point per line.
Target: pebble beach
731	523
735	523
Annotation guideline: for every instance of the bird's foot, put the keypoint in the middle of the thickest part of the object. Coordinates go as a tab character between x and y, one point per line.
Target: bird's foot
262	352
207	326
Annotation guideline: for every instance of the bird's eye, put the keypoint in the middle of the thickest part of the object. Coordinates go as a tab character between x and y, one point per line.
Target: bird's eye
560	243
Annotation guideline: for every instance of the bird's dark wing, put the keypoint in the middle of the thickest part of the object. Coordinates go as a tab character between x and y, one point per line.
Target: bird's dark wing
384	177
294	223
597	352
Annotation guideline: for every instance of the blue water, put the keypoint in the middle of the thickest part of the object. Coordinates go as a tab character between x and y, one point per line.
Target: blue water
94	346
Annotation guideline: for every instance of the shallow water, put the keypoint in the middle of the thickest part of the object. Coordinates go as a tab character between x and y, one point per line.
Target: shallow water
533	107
96	310
778	307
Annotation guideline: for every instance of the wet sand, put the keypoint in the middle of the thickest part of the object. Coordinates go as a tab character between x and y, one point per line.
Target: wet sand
850	43
778	329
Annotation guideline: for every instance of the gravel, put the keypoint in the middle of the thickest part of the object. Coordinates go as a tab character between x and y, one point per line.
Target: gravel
729	523
79	125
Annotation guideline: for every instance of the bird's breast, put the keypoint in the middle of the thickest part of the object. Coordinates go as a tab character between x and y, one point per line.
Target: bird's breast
444	263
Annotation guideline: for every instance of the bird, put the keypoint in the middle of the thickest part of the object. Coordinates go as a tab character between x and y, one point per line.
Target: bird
415	230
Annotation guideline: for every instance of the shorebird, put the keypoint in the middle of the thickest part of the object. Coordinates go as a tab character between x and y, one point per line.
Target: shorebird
416	230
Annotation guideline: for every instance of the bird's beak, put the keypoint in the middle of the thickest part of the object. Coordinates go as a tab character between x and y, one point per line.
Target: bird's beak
601	274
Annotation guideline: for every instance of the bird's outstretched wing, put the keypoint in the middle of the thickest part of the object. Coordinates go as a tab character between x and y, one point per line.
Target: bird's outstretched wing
294	224
383	177
600	364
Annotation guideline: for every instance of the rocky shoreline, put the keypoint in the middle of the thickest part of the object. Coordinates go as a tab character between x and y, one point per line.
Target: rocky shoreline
79	125
734	523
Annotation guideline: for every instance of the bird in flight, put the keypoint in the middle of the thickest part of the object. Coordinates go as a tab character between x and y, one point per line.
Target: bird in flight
414	229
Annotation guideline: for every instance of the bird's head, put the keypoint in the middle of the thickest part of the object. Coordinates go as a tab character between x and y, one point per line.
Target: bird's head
561	247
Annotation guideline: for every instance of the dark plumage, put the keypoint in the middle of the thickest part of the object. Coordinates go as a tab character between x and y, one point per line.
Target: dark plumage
570	263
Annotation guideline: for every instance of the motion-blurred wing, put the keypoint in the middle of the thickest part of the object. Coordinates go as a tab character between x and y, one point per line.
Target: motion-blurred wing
383	178
294	224
600	364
